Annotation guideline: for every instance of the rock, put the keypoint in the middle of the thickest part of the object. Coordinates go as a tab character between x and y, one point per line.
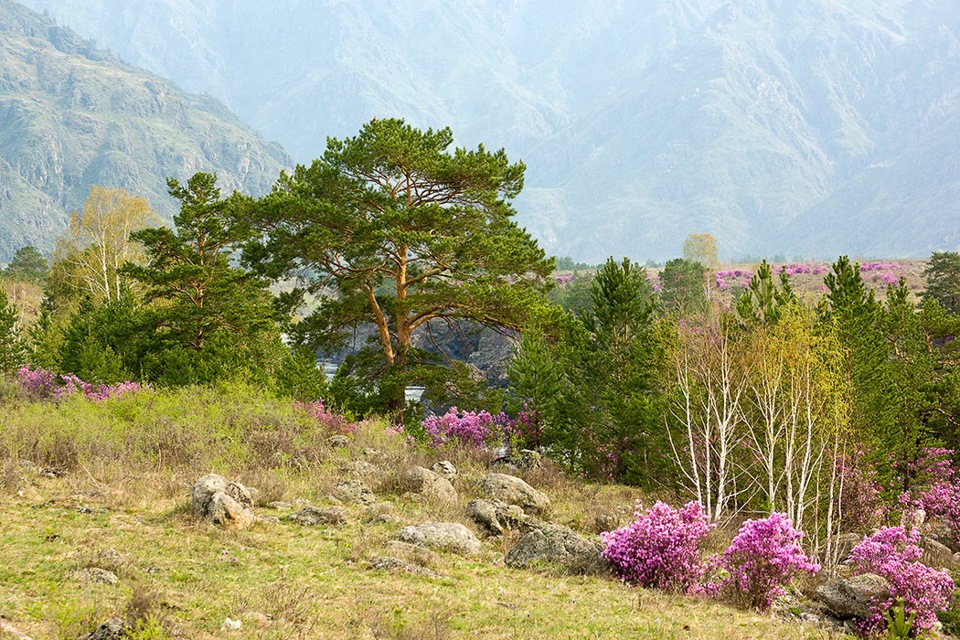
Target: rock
98	575
493	516
230	624
513	490
338	441
354	491
108	558
447	536
279	505
268	519
223	502
225	510
936	555
394	565
429	484
853	597
519	461
445	469
312	516
559	545
844	543
112	629
360	468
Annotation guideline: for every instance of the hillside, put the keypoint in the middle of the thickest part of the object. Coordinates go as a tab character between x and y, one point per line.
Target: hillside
96	498
808	129
72	116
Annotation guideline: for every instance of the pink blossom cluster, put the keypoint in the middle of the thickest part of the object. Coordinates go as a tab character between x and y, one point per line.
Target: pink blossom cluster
42	384
721	278
763	558
879	266
938	488
563	280
480	430
329	420
887	278
654	280
797	269
661	548
894	554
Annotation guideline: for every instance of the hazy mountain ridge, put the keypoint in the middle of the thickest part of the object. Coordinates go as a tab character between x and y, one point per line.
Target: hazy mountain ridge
763	122
72	115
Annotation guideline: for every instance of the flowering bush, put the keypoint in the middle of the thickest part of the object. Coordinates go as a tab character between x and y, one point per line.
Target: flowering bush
860	506
661	548
42	384
937	488
482	429
895	555
763	558
329	420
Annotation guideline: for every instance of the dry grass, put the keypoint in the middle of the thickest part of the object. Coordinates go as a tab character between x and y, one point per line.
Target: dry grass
123	505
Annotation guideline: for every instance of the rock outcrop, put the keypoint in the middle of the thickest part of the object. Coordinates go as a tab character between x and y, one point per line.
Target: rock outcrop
223	502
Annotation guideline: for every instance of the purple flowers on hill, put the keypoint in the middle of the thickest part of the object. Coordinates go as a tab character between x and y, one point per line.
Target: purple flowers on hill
42	384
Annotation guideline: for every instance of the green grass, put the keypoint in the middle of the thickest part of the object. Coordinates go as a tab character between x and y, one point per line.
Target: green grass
122	503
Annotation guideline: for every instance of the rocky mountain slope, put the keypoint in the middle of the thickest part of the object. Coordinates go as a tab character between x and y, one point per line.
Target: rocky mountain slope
72	115
807	128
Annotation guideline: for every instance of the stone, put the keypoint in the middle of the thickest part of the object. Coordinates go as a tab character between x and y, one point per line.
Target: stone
268	519
279	505
558	545
313	516
513	490
936	555
445	536
338	441
844	544
445	469
355	492
430	485
360	468
112	629
494	516
98	575
396	565
852	597
223	502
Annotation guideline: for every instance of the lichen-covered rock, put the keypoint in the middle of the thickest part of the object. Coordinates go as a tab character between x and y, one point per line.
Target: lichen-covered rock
355	492
338	441
936	554
559	545
853	597
445	536
396	565
446	469
310	516
98	575
412	553
112	629
513	490
494	516
430	485
223	502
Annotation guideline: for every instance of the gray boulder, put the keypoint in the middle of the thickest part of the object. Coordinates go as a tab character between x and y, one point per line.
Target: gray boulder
494	516
558	545
98	575
513	490
936	554
112	629
310	516
446	536
430	485
338	441
853	597
223	502
446	469
354	491
396	565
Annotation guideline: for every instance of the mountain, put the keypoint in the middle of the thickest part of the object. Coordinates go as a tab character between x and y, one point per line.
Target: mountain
812	128
72	116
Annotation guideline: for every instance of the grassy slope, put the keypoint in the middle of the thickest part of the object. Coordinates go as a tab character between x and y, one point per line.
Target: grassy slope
128	465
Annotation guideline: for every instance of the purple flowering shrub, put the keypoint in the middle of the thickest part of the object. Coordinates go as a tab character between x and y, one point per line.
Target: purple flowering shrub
762	559
895	555
328	420
860	504
661	548
483	429
936	488
41	384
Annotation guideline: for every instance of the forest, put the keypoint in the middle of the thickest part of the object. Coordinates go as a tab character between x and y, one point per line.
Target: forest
730	388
